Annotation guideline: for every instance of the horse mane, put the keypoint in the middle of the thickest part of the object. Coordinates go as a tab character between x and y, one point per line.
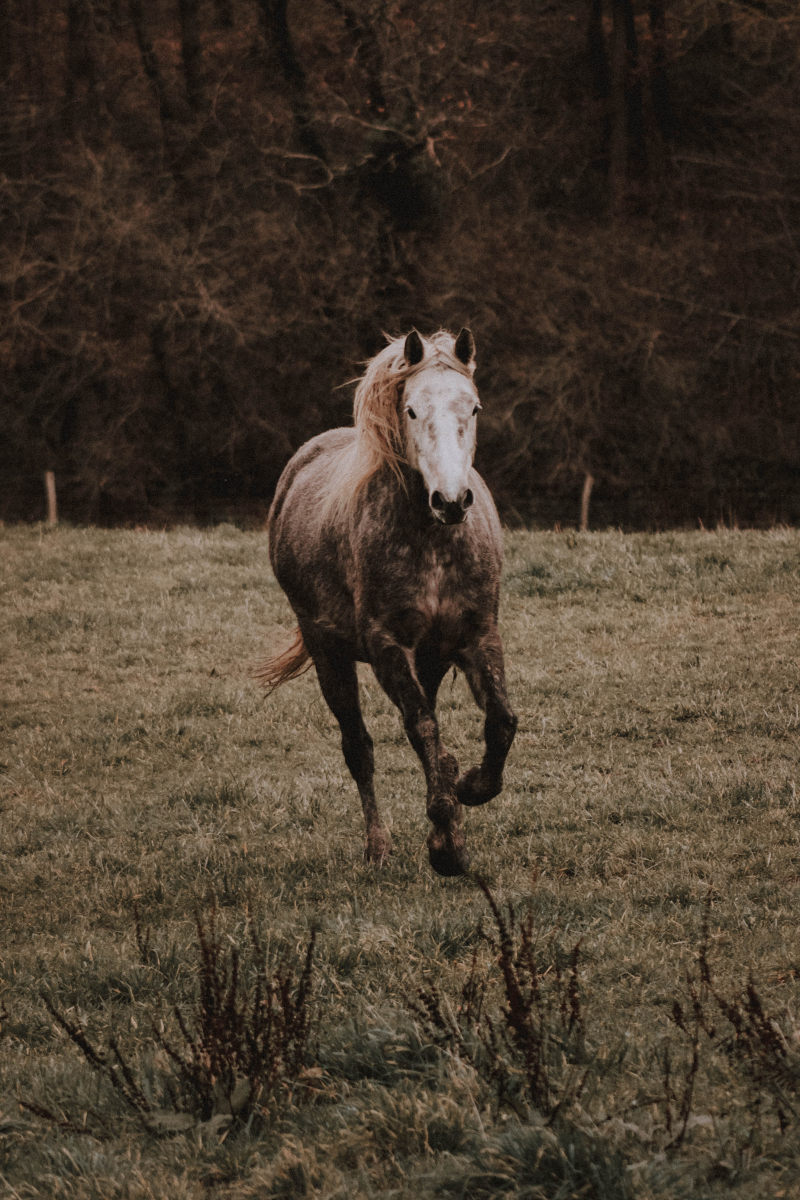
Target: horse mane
378	443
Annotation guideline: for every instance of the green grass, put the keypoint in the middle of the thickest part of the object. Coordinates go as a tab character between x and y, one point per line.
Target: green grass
650	814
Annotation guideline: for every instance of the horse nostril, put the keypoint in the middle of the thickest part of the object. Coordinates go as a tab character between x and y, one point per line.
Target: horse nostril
467	499
437	501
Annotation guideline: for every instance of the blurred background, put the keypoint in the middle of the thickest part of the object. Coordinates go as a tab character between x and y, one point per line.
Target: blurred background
212	209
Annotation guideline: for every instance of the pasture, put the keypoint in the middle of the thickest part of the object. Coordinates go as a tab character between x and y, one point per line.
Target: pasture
647	844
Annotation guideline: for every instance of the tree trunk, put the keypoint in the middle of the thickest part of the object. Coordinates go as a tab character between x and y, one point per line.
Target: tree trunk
367	53
596	47
150	62
618	115
30	51
637	148
627	145
274	21
659	85
81	68
191	53
7	48
223	14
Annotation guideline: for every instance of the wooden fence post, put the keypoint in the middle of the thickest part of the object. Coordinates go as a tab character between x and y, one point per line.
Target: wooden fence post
586	496
52	505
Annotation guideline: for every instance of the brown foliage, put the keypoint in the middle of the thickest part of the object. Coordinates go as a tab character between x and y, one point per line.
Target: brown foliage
209	214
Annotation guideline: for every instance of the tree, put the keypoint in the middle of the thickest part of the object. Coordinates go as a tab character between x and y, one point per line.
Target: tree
184	286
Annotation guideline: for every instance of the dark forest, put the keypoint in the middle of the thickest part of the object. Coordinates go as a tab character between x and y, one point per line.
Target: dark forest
212	209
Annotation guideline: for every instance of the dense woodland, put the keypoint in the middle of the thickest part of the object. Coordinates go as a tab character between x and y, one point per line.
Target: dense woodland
211	209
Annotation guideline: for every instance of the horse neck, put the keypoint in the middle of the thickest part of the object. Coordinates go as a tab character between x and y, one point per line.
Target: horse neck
416	495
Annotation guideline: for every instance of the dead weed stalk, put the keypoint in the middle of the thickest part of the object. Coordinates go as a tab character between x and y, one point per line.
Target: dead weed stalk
244	1042
531	1048
739	1026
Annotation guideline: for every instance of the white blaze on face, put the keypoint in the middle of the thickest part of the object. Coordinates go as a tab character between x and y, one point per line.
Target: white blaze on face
440	411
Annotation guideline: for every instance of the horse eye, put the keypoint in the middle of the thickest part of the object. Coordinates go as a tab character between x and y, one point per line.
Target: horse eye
476	410
411	414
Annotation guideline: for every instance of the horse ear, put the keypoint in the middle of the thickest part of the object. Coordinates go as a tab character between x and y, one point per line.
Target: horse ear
413	350
465	347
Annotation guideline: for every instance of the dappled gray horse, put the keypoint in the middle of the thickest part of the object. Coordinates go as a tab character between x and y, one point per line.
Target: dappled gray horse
388	546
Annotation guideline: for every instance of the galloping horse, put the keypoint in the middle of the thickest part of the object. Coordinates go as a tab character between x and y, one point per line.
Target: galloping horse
388	546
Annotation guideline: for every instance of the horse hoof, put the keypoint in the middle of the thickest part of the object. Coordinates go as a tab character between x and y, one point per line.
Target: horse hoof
472	790
378	847
448	855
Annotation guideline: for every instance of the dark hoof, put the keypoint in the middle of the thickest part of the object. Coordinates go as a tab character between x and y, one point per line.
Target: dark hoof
448	853
378	847
474	789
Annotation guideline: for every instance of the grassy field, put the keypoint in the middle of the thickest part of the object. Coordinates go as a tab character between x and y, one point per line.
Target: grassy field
640	1036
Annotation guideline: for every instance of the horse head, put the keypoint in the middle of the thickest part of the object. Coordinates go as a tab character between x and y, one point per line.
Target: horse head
439	407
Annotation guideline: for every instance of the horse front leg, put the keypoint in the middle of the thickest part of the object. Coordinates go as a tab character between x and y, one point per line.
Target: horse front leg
394	668
431	670
485	671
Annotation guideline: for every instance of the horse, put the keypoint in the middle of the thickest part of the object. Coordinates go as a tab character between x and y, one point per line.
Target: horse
388	546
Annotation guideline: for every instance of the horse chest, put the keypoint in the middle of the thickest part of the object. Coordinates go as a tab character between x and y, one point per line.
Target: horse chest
429	581
444	595
434	592
426	598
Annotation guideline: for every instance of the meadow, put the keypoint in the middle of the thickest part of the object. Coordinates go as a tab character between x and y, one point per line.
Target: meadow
609	1010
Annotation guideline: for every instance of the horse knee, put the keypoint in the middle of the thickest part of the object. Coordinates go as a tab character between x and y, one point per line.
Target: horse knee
502	726
422	730
510	723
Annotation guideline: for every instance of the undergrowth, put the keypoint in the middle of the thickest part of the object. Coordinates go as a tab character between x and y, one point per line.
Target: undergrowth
242	1055
230	1060
530	1045
736	1023
562	1052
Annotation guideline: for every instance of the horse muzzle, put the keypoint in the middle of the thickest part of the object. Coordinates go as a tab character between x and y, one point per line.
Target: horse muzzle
451	512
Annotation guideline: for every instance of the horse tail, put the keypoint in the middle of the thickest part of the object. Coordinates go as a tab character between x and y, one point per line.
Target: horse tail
290	663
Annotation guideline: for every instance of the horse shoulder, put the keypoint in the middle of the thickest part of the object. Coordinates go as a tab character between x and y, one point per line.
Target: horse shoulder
309	465
310	559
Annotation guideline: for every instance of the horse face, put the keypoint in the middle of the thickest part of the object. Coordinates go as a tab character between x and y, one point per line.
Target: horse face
440	410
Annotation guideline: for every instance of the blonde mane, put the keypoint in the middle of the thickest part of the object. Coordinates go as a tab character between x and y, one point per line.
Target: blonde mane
378	442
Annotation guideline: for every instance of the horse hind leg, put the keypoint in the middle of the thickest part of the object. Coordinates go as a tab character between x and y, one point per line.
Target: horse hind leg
339	684
485	672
